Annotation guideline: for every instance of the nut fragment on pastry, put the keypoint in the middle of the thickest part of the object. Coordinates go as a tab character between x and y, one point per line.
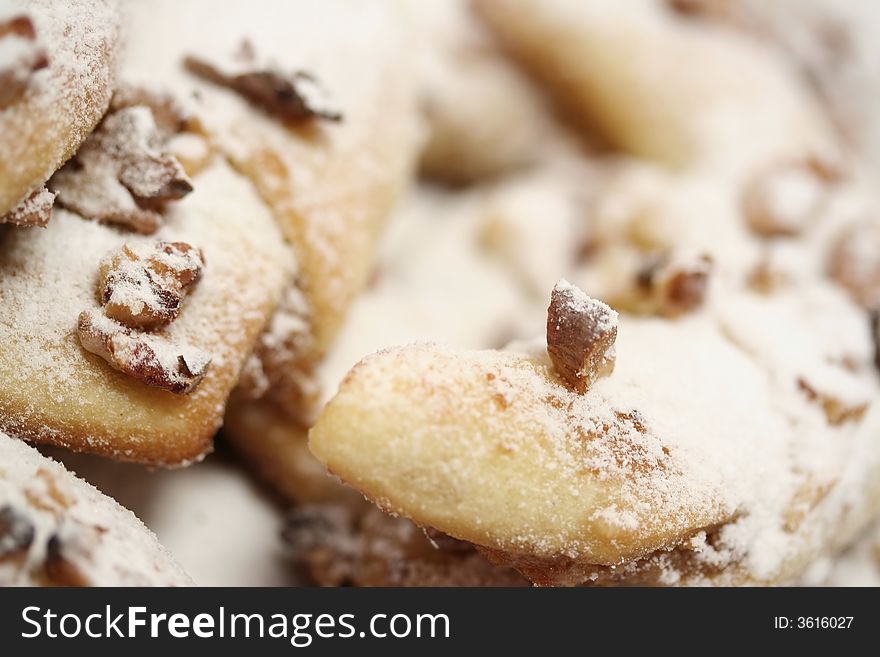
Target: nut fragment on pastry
292	97
855	262
580	336
183	135
148	358
143	285
58	63
674	285
35	210
57	530
122	173
22	55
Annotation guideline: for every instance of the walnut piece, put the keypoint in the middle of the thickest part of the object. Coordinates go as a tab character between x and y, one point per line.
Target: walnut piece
143	286
169	116
122	174
184	137
35	210
673	286
855	262
293	97
60	566
151	359
782	201
22	54
581	332
16	533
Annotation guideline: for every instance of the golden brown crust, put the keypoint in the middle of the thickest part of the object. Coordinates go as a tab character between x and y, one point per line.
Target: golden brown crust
43	128
53	391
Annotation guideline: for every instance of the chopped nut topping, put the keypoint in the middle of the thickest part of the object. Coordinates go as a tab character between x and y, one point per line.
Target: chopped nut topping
836	411
293	97
183	134
16	533
151	359
675	286
35	210
581	332
122	174
22	55
169	116
855	263
781	202
142	286
60	569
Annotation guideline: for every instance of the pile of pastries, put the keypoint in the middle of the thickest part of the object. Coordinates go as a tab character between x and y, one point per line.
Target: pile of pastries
471	293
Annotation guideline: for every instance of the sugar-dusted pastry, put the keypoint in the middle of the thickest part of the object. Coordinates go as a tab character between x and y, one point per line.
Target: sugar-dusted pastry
316	107
125	327
333	547
725	447
314	104
58	65
57	530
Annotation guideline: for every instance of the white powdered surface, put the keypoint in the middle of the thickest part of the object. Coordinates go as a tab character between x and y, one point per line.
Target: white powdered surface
434	281
43	298
106	543
72	32
327	43
221	527
437	282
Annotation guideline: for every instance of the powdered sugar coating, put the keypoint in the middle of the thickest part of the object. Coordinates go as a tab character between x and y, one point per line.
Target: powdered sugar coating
62	102
52	390
105	543
330	184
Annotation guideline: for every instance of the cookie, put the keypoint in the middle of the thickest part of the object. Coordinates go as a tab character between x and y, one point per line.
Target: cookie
74	376
704	446
329	173
329	163
57	73
57	530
